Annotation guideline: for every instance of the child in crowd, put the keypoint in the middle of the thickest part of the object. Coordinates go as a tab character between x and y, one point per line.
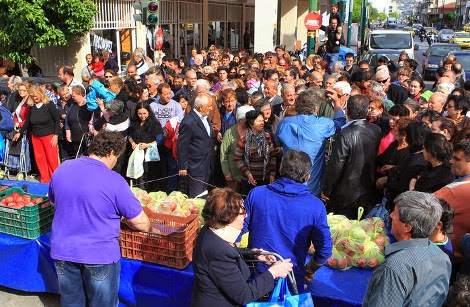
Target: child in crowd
98	65
439	236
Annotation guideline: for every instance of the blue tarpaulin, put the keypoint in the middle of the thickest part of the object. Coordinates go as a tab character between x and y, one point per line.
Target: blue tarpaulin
26	265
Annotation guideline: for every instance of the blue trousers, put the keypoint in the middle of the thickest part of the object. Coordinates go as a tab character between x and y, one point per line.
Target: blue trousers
88	284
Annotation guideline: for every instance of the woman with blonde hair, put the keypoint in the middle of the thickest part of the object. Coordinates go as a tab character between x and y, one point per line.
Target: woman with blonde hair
44	123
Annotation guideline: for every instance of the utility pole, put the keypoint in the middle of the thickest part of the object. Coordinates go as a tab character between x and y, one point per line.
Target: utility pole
351	4
311	39
363	22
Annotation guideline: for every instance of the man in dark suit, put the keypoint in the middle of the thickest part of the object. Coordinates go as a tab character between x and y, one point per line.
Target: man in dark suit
349	179
195	144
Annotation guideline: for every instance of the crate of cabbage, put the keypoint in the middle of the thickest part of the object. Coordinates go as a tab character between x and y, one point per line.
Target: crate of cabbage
24	215
357	243
176	203
176	225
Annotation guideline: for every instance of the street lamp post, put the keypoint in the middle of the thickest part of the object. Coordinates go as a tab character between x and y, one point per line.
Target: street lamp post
311	39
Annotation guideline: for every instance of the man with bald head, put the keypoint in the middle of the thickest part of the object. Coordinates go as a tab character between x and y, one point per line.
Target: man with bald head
437	101
316	79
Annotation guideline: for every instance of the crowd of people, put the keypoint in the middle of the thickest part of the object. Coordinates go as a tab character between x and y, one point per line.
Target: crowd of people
281	132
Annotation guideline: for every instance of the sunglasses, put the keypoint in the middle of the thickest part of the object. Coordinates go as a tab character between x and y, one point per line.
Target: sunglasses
383	81
108	76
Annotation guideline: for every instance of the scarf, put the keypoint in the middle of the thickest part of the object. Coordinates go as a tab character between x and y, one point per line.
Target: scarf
260	145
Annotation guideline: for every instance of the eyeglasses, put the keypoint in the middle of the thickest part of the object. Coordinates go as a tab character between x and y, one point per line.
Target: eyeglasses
383	81
241	75
108	76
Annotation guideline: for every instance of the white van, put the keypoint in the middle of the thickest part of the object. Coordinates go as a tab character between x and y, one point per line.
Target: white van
391	39
391	22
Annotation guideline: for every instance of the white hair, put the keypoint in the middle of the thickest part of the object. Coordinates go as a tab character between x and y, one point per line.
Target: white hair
154	78
202	82
382	73
339	64
446	88
200	100
343	86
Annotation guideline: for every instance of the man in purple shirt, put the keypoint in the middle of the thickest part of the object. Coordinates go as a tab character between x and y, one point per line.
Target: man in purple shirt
90	200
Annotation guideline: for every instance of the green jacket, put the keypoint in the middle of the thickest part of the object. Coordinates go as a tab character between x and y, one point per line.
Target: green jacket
227	153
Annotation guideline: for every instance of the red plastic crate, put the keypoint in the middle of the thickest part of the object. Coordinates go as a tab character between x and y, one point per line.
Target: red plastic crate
172	248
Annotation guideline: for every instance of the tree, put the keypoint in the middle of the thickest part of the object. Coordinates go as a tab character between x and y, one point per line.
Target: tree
25	23
393	15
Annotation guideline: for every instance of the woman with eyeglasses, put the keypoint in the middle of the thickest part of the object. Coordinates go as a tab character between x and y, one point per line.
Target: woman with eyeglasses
108	74
221	276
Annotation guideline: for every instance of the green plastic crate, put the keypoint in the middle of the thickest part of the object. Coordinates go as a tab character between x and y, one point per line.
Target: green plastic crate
27	222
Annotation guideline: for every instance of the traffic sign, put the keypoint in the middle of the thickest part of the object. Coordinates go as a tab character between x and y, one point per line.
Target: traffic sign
313	21
159	38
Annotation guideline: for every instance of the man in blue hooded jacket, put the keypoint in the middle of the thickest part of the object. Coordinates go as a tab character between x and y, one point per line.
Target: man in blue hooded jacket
283	217
309	133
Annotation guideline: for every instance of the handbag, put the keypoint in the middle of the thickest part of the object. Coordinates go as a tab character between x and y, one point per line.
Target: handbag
282	297
151	154
380	210
135	168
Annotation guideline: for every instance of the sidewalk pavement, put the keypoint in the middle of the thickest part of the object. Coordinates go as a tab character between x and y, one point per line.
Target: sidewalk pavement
15	298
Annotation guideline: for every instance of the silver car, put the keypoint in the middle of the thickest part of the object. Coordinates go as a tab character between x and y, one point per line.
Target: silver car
444	35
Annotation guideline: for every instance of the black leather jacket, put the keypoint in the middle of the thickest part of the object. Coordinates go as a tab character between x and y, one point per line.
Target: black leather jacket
332	44
349	180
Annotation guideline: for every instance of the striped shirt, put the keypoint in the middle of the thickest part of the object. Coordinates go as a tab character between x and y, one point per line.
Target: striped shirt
256	161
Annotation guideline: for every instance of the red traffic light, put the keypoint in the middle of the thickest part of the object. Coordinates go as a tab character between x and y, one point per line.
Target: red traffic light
152	6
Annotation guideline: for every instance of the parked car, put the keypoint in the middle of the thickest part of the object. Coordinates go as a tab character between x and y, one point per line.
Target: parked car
390	39
409	29
433	57
444	35
460	38
372	56
466	28
462	57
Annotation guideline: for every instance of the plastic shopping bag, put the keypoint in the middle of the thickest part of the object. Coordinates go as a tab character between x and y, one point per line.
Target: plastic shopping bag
283	298
135	168
151	154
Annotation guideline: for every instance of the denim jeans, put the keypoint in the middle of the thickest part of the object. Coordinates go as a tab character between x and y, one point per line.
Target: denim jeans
88	284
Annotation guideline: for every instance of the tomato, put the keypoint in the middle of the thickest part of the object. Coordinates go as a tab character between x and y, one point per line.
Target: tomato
15	195
19	199
37	200
11	204
26	198
9	199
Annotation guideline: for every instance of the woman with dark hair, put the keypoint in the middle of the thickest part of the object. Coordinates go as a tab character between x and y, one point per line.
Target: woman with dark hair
395	113
143	134
429	116
255	156
398	151
457	107
415	88
437	151
220	272
399	179
377	114
444	126
138	93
